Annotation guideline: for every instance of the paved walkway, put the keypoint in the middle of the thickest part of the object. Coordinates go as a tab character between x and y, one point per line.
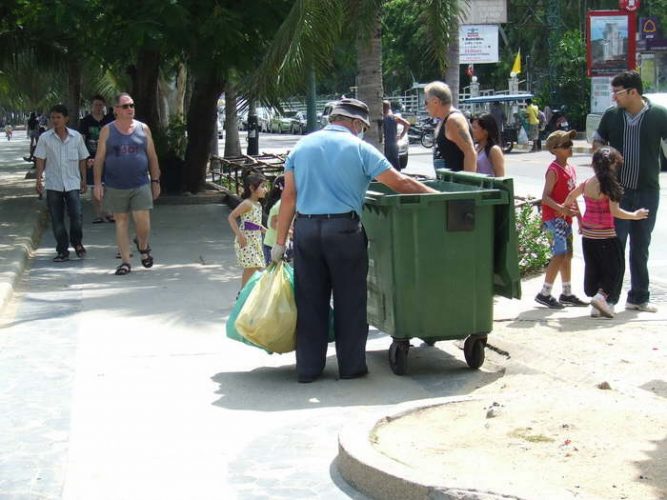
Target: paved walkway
126	387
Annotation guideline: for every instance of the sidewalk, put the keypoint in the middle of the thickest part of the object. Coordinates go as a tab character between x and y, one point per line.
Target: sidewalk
125	387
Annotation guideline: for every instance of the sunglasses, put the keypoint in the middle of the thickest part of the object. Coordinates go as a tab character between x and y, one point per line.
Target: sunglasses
127	106
566	145
619	91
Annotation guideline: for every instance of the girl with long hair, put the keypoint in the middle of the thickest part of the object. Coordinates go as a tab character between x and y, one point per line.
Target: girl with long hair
490	159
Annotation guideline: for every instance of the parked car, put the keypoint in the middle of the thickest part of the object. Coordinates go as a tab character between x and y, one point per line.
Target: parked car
593	121
289	122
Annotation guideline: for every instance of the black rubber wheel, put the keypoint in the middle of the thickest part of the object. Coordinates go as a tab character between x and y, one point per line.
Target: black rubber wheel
398	357
507	148
427	139
473	350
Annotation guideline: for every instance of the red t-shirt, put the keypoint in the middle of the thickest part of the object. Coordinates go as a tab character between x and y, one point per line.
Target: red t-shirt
566	181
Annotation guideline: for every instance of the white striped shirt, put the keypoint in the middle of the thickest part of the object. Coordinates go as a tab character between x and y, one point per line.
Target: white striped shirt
629	174
61	170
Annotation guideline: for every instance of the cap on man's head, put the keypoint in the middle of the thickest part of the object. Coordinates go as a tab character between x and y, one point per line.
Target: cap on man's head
559	137
351	108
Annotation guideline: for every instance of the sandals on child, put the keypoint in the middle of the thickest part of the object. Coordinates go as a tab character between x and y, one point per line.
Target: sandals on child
123	269
146	257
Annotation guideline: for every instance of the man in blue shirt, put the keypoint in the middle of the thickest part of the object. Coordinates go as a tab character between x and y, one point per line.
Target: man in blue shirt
326	178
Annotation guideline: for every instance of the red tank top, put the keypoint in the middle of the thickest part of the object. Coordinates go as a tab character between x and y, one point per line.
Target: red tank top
566	181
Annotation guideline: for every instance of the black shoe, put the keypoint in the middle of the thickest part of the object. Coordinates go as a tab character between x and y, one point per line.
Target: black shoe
302	379
354	375
61	257
571	300
549	301
80	251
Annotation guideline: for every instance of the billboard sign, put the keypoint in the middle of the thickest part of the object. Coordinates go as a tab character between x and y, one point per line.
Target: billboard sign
610	42
478	43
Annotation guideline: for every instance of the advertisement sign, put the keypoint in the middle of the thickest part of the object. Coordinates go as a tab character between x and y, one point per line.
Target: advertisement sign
629	5
478	43
601	94
610	42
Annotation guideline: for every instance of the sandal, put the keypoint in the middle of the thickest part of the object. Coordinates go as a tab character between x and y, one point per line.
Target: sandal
123	269
80	251
146	257
98	220
110	219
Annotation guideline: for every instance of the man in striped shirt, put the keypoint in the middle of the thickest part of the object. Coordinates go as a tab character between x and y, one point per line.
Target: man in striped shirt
635	127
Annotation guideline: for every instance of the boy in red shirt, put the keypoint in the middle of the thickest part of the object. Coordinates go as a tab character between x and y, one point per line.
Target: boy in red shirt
560	180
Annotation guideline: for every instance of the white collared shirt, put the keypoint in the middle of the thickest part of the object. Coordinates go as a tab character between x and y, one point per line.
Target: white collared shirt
61	170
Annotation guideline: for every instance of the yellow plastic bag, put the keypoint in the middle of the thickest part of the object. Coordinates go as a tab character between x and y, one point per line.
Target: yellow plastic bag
268	317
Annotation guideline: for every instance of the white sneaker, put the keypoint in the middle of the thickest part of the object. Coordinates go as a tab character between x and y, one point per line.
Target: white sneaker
644	307
594	313
599	302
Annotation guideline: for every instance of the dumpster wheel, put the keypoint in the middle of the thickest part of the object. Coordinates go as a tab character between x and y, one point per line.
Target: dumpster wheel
398	356
473	350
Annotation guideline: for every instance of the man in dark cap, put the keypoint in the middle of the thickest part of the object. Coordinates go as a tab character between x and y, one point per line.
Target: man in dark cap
326	177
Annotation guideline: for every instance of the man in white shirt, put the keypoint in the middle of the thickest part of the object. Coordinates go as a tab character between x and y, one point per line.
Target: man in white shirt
61	158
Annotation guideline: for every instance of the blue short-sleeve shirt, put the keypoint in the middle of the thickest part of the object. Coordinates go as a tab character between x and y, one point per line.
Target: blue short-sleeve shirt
332	170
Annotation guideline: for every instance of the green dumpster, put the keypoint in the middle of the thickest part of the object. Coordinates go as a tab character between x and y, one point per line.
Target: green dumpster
436	260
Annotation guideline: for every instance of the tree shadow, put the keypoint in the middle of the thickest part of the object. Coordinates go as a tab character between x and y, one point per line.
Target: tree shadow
653	470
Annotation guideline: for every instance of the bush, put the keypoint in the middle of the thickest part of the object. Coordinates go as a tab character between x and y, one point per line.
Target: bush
533	246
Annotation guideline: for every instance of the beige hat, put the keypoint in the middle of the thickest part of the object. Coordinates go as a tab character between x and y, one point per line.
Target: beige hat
352	108
558	138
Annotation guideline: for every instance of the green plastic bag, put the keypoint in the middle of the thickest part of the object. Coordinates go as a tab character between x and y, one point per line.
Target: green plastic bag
268	317
230	328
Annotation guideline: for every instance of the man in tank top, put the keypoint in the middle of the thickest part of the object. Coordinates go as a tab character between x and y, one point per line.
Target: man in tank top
452	135
126	155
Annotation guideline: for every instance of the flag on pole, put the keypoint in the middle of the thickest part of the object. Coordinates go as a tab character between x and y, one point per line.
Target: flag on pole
516	68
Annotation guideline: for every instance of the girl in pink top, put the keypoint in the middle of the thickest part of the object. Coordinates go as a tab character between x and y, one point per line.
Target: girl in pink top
603	252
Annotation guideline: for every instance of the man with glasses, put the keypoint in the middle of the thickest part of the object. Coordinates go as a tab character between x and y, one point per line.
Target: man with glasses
126	155
326	178
635	128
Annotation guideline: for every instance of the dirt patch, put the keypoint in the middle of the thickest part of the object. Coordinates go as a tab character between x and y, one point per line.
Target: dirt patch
578	443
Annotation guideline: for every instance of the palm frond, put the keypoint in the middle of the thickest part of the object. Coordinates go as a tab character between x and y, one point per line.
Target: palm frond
441	19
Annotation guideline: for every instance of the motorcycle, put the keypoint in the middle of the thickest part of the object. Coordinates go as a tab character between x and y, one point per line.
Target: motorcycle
422	132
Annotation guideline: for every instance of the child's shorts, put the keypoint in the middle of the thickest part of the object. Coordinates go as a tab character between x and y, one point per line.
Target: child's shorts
559	233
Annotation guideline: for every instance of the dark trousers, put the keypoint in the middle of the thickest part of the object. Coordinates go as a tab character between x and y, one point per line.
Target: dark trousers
330	256
605	265
639	232
58	202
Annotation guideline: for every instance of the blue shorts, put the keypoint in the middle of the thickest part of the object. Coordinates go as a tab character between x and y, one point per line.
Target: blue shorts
559	233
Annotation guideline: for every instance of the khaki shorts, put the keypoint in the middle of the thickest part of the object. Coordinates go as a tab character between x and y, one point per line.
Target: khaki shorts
128	200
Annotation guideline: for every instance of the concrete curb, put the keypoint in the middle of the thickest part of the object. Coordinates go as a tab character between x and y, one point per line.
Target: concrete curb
18	257
378	476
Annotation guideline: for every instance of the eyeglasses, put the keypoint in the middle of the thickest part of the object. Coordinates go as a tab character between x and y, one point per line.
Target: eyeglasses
566	145
127	106
619	92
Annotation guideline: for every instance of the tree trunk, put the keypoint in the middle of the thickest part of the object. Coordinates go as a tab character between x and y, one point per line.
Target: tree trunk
145	87
232	143
73	91
202	114
452	74
369	79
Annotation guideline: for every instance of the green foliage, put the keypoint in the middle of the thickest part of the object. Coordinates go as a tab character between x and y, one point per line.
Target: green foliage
533	247
172	140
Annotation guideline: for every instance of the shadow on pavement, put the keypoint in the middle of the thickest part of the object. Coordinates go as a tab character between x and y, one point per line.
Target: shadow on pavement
431	373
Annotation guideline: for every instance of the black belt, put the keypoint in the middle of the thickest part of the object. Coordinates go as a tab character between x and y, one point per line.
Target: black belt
347	215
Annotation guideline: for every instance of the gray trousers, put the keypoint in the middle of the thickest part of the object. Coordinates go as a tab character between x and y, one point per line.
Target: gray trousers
330	257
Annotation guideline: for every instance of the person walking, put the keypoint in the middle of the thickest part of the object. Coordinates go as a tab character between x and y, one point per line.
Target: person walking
452	135
90	127
635	128
533	118
603	252
126	158
490	159
560	180
32	131
390	123
326	178
61	170
498	114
